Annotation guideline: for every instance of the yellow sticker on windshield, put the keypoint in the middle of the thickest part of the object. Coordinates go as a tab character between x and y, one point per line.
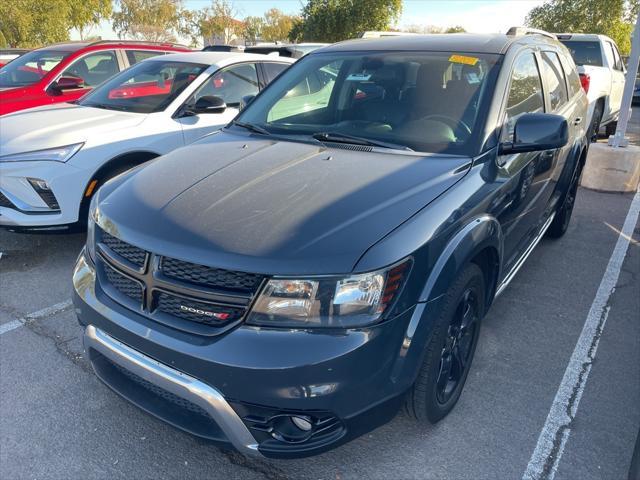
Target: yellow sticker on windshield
463	59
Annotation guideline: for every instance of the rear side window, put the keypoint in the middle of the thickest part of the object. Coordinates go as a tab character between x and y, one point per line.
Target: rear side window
525	91
555	80
573	79
585	52
617	61
272	70
135	56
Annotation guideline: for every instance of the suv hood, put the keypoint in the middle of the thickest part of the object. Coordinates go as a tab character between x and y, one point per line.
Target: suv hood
275	207
57	125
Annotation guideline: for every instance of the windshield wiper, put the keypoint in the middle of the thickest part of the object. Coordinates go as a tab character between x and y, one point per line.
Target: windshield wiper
252	128
345	138
105	106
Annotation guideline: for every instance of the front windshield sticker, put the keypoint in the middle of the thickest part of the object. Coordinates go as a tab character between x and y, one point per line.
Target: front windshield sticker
359	77
463	59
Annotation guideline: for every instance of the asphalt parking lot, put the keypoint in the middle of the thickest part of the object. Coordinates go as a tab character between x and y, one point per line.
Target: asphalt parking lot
58	421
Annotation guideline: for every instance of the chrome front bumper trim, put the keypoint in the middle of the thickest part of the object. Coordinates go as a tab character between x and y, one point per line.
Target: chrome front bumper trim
176	382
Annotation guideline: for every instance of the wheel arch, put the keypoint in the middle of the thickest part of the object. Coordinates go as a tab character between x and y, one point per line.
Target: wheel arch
480	241
107	170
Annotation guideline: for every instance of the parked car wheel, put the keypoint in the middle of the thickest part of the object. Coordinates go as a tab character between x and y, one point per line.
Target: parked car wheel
450	352
611	128
560	223
595	123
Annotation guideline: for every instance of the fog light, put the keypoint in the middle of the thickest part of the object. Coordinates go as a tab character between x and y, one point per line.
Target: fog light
43	189
302	423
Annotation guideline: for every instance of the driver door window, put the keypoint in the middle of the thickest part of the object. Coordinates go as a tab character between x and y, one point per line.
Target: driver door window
230	84
525	92
94	68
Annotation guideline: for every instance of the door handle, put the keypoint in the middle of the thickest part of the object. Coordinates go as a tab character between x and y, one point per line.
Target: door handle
577	121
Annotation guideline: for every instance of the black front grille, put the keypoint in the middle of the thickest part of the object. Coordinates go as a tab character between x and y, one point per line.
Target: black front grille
200	312
161	392
5	202
123	284
210	277
133	254
186	296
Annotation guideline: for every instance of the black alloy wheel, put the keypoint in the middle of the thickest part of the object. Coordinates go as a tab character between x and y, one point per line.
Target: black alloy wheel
456	352
451	347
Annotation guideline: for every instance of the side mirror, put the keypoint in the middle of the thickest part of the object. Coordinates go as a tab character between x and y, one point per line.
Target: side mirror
67	83
535	132
246	100
207	104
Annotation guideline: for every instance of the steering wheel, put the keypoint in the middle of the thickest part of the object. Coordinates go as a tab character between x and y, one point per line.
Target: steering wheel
458	126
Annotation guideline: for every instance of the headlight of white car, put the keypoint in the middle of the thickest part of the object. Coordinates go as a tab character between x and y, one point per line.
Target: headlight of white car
57	154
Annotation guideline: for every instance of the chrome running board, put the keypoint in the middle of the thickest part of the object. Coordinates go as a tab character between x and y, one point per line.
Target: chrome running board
525	255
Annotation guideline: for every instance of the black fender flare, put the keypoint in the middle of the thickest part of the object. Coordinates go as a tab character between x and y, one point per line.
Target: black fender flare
481	233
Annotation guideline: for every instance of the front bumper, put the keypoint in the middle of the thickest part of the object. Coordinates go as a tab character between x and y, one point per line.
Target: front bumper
210	400
23	206
249	379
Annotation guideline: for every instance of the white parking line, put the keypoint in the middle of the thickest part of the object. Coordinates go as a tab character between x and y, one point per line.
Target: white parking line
45	312
555	433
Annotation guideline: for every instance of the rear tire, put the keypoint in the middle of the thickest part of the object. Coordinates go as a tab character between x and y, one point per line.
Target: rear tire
450	351
611	128
594	128
560	223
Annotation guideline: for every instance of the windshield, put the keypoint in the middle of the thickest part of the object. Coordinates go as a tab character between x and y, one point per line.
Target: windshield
147	87
30	67
423	101
585	53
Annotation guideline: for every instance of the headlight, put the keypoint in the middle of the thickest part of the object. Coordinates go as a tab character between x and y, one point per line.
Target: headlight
347	302
58	154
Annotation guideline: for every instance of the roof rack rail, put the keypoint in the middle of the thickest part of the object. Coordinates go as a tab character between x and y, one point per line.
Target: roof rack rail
517	31
140	42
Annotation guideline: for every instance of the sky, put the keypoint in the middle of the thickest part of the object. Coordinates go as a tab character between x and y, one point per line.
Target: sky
479	16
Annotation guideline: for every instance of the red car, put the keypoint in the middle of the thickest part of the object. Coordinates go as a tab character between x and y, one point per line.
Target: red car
65	72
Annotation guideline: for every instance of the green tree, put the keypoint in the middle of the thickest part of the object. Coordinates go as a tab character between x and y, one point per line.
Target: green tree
334	20
32	23
253	29
613	18
456	29
152	20
277	25
85	14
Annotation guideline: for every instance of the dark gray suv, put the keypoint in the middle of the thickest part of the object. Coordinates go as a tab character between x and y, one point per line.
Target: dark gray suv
291	282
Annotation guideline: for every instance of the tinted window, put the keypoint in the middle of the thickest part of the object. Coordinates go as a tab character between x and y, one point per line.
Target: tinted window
94	68
573	79
144	88
617	62
30	67
585	52
525	91
426	101
135	56
555	80
272	70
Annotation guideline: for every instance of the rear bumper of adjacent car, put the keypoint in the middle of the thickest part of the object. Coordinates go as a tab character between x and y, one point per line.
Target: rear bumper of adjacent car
24	206
243	388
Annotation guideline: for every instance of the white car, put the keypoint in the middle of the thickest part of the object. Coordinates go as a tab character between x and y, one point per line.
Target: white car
602	73
53	158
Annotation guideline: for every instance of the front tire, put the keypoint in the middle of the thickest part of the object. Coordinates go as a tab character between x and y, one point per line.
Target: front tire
450	351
